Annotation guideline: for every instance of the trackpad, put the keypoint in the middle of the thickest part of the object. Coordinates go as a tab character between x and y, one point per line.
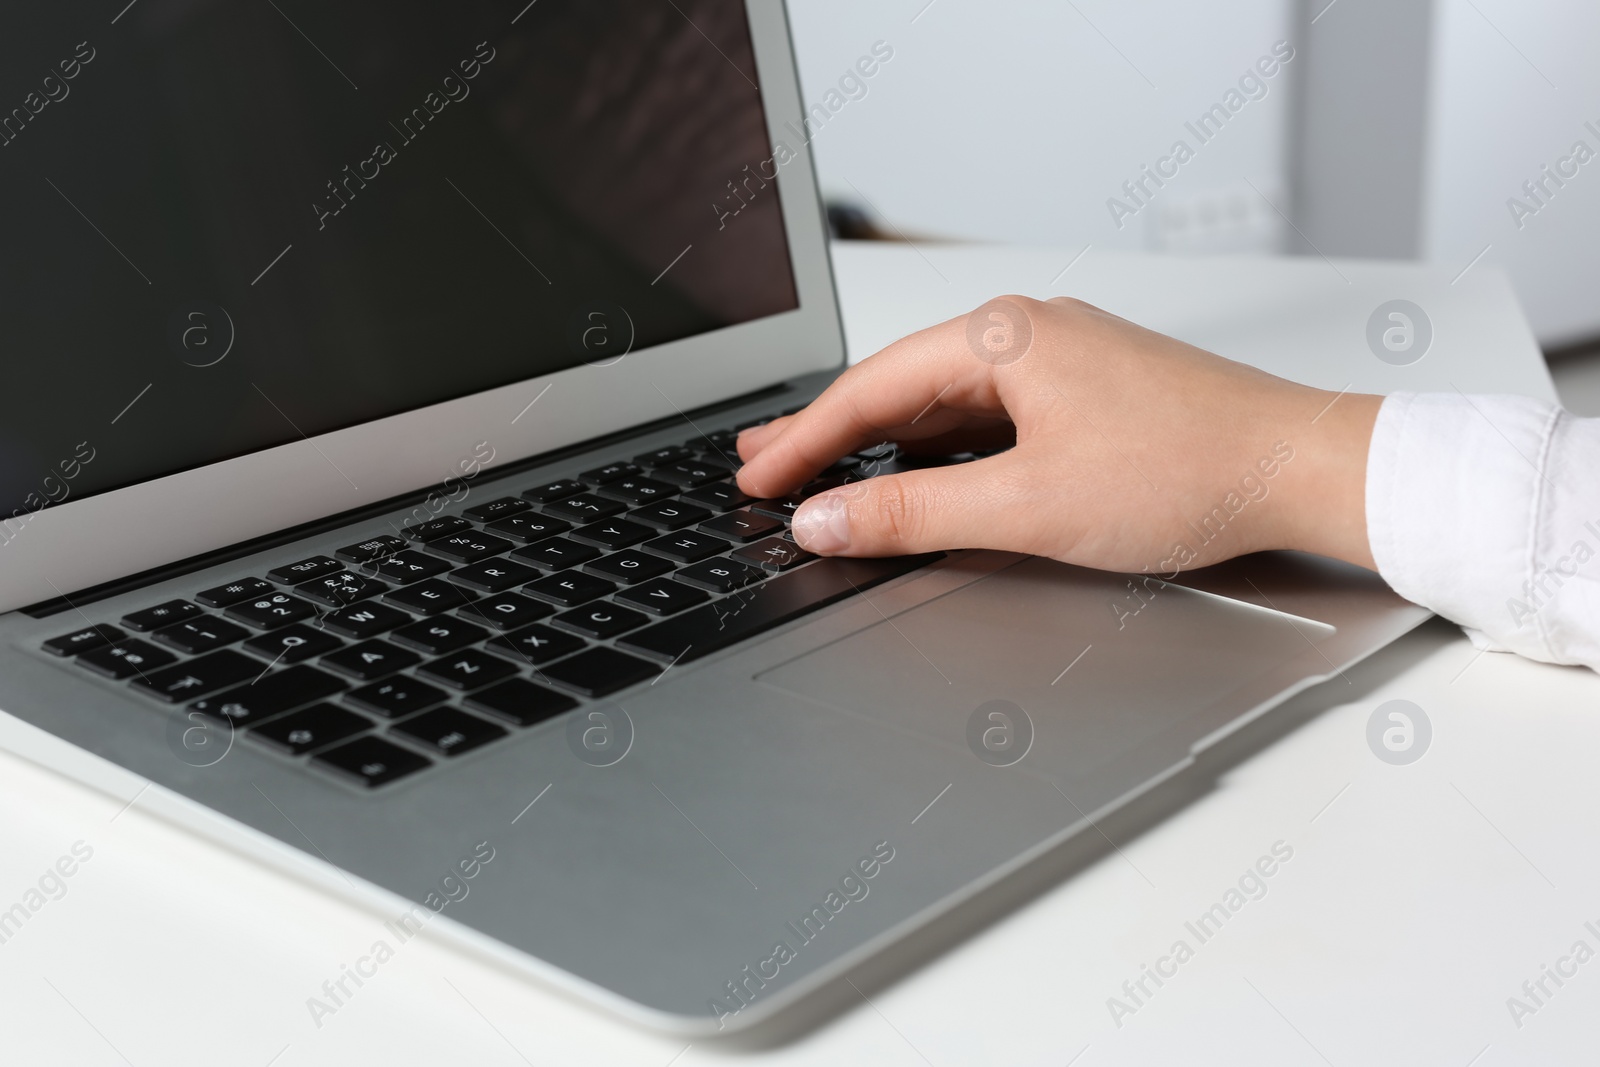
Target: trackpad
1098	662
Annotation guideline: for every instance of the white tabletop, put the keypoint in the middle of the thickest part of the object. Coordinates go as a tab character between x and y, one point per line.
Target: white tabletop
1417	900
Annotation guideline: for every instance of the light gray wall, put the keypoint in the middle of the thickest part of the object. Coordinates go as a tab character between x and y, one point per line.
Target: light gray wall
1513	84
1017	120
1401	129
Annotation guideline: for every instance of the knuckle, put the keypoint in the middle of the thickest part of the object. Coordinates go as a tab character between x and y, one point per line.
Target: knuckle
895	510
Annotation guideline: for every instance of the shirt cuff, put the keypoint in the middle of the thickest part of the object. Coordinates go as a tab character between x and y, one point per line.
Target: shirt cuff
1458	503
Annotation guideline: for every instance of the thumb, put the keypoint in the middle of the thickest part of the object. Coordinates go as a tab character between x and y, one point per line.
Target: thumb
969	505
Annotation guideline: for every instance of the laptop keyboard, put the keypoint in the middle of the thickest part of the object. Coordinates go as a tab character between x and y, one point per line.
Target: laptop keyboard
399	652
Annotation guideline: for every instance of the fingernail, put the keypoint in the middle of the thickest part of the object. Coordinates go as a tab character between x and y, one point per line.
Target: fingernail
822	524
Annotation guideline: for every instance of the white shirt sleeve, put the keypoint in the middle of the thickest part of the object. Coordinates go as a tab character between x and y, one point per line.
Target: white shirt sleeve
1486	509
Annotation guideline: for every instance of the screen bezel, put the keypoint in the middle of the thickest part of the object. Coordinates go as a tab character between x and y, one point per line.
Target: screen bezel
111	535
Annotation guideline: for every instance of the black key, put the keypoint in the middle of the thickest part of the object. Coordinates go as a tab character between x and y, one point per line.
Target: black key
601	619
599	671
364	620
310	728
439	635
507	611
629	567
126	658
497	509
613	533
160	615
370	761
433	529
528	528
337	590
636	491
774	554
782	508
555	553
372	548
198	677
278	692
743	526
669	514
201	635
717	441
691	472
725	622
494	575
395	697
520	702
687	546
468	547
662	456
83	640
467	669
292	644
431	597
719	575
553	491
450	732
821	485
719	496
535	644
663	596
370	659
409	566
273	611
305	570
569	589
221	596
609	473
585	507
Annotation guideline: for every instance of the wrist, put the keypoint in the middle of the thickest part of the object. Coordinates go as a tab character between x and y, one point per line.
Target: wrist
1322	500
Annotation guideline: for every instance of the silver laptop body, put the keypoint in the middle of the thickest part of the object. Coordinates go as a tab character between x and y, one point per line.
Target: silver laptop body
697	849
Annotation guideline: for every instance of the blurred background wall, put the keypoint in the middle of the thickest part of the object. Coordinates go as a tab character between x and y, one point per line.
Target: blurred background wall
1397	129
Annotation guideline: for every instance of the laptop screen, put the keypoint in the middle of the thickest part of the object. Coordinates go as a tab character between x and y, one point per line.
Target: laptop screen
232	225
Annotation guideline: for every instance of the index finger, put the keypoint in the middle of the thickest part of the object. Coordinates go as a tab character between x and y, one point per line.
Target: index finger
934	369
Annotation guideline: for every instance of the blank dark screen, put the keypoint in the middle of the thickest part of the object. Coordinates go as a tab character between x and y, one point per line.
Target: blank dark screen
229	225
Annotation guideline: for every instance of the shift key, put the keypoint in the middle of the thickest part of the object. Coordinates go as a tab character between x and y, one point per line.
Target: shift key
199	676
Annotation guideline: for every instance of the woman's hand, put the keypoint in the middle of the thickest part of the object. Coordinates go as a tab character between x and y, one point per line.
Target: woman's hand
1133	451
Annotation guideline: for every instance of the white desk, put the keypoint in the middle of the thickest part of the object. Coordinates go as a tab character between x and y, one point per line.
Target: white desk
1418	898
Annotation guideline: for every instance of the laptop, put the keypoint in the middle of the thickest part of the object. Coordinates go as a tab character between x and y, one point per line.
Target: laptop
366	458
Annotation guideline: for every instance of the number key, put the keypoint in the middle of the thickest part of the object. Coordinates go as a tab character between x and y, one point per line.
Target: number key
222	595
305	570
271	612
408	567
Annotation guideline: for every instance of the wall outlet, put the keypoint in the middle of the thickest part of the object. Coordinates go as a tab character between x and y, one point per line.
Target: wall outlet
1232	218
